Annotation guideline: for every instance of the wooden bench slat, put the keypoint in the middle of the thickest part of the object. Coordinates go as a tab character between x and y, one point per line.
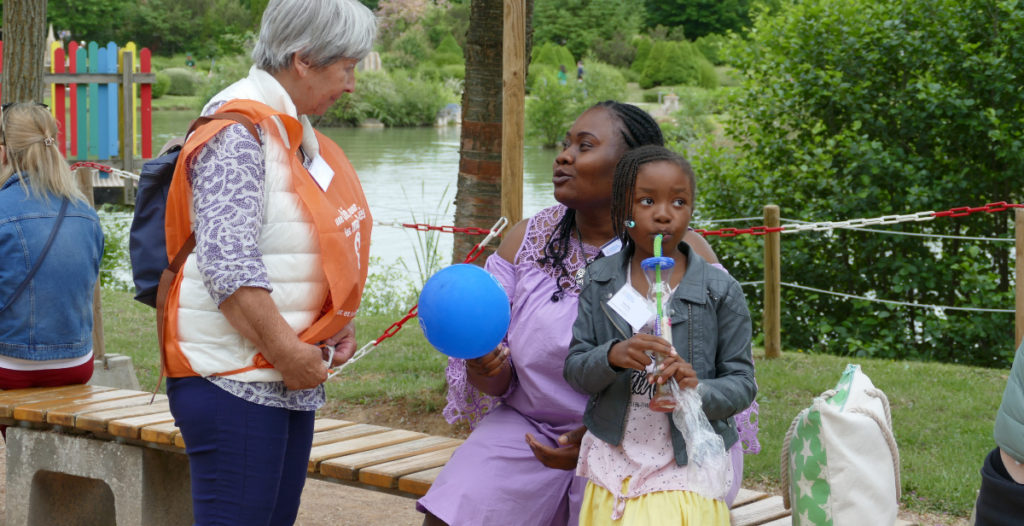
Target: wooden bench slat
347	467
66	416
179	441
12	399
160	433
759	512
37	411
131	427
746	496
785	521
419	483
386	475
327	424
97	422
358	445
346	433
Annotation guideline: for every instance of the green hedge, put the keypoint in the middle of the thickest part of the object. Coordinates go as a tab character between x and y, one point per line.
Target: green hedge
398	98
162	84
554	55
677	63
449	53
183	82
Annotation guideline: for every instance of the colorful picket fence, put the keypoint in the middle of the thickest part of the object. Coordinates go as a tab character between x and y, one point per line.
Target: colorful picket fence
109	119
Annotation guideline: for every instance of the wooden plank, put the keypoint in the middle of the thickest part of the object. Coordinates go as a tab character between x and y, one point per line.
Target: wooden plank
347	467
328	424
746	496
113	144
419	483
760	512
73	98
99	112
12	400
36	411
386	475
513	110
132	427
772	286
11	394
82	65
786	521
358	445
179	441
346	433
97	422
160	433
57	64
145	103
66	416
97	78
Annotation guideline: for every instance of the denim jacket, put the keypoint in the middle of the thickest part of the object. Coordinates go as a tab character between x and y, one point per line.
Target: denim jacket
52	319
711	330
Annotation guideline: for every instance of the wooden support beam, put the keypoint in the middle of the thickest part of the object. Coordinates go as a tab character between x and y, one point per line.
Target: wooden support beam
99	348
128	128
513	113
1019	314
772	288
96	78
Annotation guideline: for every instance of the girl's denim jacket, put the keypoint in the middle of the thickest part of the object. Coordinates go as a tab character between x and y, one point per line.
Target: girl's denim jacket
52	319
711	330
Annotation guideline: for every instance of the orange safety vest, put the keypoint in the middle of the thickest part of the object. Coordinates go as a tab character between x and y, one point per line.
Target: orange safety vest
331	212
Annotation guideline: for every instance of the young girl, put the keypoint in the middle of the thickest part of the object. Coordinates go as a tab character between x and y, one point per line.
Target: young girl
634	457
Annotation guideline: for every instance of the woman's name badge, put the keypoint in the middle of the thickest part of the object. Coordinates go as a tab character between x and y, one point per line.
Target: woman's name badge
633	307
321	172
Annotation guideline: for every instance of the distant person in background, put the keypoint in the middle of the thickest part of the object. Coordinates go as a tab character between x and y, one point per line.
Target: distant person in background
562	77
579	70
189	61
1001	499
48	264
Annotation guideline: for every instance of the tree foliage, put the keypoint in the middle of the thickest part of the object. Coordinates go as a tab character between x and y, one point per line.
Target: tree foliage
700	17
865	108
576	24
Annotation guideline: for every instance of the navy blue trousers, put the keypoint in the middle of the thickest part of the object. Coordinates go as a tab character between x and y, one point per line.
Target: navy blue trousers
248	461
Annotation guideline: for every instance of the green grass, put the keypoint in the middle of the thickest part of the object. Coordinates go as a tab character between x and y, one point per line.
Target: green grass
175	102
727	76
942	414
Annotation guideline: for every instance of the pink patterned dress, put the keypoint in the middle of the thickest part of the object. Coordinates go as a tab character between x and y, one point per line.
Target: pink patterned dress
494	479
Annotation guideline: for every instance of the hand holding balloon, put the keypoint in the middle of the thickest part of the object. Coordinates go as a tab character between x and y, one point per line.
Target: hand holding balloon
490	364
464	313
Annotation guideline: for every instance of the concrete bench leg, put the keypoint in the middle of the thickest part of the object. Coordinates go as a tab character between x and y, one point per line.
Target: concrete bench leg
68	480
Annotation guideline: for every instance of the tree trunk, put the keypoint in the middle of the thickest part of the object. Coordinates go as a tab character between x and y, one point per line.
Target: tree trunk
24	50
478	197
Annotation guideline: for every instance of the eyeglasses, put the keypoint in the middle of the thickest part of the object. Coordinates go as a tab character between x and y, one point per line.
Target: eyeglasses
3	119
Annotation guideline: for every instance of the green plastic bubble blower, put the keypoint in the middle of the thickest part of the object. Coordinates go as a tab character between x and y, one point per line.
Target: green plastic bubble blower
660	295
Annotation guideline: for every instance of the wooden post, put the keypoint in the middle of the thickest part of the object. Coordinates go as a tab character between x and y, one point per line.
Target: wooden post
1019	314
128	135
772	287
513	110
99	348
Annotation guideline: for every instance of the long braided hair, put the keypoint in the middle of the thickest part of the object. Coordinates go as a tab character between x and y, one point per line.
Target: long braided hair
638	129
624	184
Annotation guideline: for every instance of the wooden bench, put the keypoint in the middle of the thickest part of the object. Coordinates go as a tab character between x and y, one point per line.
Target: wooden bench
377	458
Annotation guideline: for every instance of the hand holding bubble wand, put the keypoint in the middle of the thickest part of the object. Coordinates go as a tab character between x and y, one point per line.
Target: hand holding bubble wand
659	294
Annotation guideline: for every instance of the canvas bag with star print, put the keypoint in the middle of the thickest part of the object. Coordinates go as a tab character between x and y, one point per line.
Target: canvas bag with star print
840	463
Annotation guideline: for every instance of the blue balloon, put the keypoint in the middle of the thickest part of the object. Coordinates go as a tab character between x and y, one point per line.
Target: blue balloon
464	312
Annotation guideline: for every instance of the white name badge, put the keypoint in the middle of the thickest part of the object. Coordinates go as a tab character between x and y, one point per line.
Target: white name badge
321	172
612	247
633	307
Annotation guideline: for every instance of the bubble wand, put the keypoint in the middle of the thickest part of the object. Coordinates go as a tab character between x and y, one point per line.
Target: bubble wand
662	401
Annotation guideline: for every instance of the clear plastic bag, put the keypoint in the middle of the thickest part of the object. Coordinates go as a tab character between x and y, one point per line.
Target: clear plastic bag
708	461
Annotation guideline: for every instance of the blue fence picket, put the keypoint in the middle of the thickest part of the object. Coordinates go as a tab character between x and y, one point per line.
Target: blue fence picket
84	140
112	107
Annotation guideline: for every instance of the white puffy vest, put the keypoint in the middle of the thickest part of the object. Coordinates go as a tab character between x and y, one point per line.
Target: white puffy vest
288	242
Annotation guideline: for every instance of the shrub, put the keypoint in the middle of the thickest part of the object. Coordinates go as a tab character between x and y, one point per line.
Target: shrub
555	55
448	52
602	82
655	65
652	96
707	76
162	84
921	110
692	121
677	63
226	72
643	50
393	60
711	47
629	75
618	51
538	71
415	44
552	108
396	99
454	71
183	82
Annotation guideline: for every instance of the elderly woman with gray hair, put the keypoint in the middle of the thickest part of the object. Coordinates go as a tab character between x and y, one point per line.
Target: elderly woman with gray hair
281	245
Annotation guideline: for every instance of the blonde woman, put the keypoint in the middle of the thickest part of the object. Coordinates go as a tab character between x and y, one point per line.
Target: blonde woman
47	270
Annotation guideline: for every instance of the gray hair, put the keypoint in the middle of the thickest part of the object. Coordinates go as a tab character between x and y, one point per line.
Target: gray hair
320	31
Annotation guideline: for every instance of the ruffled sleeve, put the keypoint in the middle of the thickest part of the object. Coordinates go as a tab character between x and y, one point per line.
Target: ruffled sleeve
465	402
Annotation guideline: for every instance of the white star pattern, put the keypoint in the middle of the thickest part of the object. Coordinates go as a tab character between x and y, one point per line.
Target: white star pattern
807	450
805	486
828	507
806	422
804	519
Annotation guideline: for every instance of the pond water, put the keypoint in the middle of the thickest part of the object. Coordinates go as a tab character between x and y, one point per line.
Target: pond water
407	174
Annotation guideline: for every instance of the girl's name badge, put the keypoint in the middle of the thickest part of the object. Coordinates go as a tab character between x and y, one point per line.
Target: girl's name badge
612	247
633	307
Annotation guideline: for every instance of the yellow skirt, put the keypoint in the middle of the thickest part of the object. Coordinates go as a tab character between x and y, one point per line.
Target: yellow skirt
663	508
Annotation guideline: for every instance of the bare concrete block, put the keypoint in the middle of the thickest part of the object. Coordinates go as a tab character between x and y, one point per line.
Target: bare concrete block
73	480
117	372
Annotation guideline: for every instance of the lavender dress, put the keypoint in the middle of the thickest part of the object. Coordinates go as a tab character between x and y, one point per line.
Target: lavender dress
494	479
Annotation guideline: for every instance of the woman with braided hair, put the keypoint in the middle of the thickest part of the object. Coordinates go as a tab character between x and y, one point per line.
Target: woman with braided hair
515	397
51	245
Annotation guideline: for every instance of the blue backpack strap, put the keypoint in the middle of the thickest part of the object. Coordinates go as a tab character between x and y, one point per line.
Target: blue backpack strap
42	255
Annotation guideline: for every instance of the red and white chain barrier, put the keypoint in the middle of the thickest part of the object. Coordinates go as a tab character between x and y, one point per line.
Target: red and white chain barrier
422	227
473	255
104	168
860	223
